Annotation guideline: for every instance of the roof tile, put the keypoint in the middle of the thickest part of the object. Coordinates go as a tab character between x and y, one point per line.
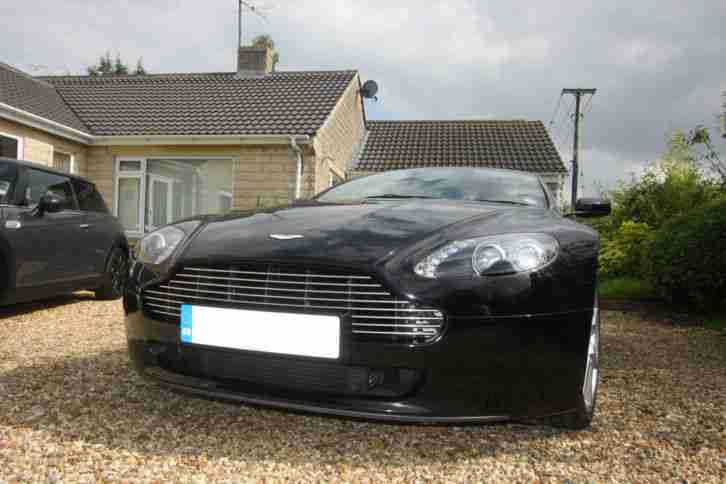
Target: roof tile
21	91
520	145
204	104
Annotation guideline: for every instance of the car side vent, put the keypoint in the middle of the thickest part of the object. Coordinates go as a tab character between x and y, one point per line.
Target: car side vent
373	313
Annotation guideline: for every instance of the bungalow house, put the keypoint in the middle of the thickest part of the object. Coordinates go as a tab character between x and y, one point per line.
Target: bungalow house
165	146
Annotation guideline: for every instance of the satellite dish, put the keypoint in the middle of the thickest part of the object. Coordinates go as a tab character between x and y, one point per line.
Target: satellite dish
369	90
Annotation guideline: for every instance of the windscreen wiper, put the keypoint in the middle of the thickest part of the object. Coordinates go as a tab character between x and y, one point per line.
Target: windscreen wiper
395	195
508	202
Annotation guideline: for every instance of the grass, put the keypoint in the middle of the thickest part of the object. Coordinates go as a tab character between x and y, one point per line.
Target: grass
626	287
716	322
633	289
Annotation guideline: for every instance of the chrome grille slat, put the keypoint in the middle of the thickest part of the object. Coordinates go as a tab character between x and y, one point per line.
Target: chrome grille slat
262	303
396	317
271	296
394	333
259	303
278	282
375	314
166	306
164	312
277	274
226	286
384	325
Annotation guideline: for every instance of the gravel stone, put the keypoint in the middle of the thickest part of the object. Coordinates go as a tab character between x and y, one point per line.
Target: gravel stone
73	410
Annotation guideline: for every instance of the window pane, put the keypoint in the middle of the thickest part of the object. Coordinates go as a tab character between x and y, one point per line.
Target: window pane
41	182
62	161
88	197
178	188
129	165
129	201
225	202
8	147
158	203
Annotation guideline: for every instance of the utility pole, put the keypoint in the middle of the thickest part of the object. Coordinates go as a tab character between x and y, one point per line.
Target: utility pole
577	92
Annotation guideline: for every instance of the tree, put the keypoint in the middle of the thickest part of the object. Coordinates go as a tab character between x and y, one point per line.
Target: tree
103	68
140	71
265	40
108	67
119	67
703	152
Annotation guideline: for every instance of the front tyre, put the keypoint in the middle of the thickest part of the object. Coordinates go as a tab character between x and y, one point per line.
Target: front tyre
115	276
581	417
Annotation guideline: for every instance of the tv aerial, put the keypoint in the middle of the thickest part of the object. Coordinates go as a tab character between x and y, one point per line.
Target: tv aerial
256	10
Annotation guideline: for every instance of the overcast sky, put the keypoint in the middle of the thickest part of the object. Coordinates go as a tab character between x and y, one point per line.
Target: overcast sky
657	65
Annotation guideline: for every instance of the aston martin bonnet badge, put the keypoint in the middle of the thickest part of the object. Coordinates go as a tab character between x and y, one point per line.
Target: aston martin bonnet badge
286	236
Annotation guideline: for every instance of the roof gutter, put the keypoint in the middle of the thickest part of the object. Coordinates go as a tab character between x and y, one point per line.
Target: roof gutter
33	120
211	139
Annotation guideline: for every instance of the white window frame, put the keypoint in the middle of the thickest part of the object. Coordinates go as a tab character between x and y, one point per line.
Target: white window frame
169	182
334	173
20	154
72	168
142	175
226	194
139	175
559	179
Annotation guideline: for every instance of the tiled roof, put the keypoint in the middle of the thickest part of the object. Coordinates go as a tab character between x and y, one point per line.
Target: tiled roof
24	92
204	104
518	145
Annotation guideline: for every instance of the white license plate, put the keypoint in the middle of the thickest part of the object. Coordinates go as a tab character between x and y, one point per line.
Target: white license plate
269	332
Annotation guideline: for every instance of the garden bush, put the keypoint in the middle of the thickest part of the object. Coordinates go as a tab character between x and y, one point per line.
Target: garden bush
687	262
624	252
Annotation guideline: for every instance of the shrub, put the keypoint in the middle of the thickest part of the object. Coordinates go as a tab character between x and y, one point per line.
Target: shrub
623	254
687	263
665	191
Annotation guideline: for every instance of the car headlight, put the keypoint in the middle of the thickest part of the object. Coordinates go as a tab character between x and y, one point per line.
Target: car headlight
492	255
157	246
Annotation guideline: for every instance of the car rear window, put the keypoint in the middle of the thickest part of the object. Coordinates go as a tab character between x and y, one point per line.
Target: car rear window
42	182
8	177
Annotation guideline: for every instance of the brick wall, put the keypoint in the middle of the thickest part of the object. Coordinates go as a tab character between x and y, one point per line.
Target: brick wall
266	176
340	136
100	169
38	146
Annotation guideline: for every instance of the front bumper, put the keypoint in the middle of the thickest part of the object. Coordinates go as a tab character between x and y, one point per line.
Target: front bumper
481	369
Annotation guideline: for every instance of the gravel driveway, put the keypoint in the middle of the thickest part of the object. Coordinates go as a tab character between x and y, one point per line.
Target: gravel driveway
72	410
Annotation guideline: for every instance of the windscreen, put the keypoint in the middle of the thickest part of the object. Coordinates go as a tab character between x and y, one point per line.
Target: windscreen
466	184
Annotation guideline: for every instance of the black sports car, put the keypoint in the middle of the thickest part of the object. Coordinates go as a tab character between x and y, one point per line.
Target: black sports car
424	295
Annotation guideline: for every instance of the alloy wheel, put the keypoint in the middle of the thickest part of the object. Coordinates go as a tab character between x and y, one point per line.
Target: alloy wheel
592	369
117	270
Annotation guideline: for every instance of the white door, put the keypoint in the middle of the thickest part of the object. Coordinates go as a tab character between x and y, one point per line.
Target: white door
159	202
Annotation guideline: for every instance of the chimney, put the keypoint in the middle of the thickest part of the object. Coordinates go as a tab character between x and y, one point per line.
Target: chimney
254	60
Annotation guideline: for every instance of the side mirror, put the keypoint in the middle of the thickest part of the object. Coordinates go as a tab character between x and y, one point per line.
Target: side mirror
592	207
51	203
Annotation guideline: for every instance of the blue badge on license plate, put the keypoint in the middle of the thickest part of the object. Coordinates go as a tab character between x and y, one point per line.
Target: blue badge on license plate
186	323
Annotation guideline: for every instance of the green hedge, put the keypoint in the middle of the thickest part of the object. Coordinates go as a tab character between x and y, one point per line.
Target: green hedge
624	252
687	262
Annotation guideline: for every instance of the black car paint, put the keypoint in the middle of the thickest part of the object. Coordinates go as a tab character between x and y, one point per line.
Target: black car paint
47	254
514	345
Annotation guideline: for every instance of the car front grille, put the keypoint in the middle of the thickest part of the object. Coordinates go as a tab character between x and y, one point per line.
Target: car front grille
373	312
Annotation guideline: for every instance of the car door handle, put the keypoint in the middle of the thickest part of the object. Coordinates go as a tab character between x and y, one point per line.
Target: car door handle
85	226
